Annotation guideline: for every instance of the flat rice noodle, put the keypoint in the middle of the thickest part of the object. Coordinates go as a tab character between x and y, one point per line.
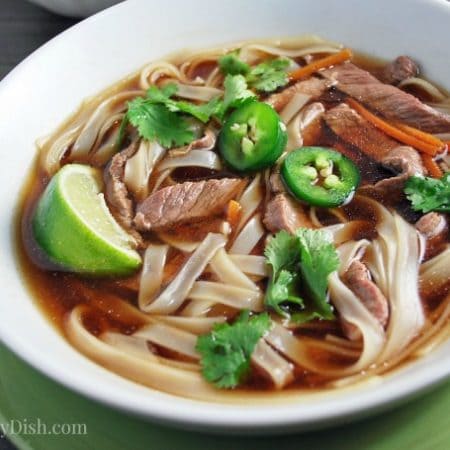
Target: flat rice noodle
248	237
201	93
152	274
178	290
173	380
195	325
295	104
195	158
394	260
280	371
88	135
236	297
172	338
250	200
435	273
140	166
229	273
251	264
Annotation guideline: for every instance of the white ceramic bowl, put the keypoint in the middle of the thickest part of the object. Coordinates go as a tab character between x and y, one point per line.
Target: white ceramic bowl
51	83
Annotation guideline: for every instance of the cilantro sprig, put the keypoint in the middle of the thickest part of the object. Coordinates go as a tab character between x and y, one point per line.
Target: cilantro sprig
160	117
264	77
429	194
301	264
226	351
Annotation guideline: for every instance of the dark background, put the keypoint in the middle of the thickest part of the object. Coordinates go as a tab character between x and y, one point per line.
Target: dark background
23	28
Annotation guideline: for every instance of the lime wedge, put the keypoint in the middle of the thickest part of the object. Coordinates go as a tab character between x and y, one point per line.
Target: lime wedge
73	226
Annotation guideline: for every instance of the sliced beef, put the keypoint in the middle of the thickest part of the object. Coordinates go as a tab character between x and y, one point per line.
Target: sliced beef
282	213
432	224
389	101
349	126
357	278
186	202
403	160
116	193
276	184
206	142
314	87
398	70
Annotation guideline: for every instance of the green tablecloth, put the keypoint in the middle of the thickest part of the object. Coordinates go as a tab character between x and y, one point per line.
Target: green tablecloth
26	396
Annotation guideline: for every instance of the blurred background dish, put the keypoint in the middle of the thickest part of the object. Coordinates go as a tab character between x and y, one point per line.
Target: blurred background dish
75	8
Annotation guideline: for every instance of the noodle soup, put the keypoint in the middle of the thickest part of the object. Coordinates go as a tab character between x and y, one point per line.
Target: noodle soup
254	218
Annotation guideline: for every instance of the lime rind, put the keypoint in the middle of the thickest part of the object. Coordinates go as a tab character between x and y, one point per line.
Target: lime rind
73	226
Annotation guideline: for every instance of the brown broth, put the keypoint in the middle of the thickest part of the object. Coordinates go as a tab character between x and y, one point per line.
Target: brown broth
57	293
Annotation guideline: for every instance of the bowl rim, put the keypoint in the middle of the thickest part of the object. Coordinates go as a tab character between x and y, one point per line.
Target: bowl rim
201	415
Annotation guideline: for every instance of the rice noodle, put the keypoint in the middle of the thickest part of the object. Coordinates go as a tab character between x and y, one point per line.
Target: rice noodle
280	371
169	337
251	264
435	273
236	297
227	271
88	135
248	237
154	71
429	88
140	166
201	93
195	325
250	52
131	344
395	270
295	104
195	158
177	291
250	200
304	117
152	274
178	242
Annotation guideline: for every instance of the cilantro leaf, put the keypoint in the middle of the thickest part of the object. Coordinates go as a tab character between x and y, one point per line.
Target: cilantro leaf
301	264
155	122
282	251
227	349
265	77
236	92
429	194
230	64
202	112
156	116
319	259
281	294
269	75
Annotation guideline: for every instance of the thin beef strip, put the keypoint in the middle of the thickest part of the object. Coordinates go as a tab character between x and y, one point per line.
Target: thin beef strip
186	202
399	70
116	192
314	87
389	101
282	213
357	278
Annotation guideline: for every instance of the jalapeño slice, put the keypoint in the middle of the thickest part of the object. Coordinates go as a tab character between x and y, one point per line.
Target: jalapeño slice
320	176
253	137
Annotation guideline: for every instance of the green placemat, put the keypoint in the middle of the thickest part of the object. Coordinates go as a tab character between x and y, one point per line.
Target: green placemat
28	399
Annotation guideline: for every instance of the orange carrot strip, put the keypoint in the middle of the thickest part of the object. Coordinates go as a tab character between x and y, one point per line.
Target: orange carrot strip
392	131
328	61
234	213
430	164
426	137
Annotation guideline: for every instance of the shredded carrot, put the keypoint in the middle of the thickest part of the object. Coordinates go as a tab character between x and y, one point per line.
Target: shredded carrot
426	137
234	213
431	165
392	131
328	61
